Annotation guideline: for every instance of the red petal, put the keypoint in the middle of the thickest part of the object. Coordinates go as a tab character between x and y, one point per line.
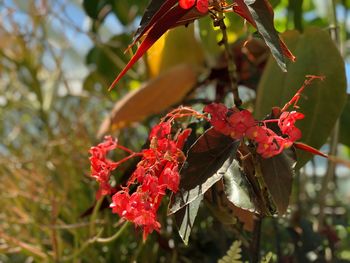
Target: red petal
202	6
308	148
186	4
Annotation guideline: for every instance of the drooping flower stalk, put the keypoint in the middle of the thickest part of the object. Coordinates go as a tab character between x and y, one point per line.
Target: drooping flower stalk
157	172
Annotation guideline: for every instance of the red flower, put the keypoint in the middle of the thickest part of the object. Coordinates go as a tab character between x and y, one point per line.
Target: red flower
137	208
156	172
240	122
259	134
187	4
170	177
218	113
201	5
273	146
160	131
286	123
101	167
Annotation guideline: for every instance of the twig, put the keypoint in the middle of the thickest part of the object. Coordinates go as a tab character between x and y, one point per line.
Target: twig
231	66
255	245
115	236
96	239
278	240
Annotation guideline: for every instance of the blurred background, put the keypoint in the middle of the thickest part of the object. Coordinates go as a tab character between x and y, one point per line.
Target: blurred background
57	59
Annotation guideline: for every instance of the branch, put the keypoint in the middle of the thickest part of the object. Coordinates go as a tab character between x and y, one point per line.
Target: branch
231	66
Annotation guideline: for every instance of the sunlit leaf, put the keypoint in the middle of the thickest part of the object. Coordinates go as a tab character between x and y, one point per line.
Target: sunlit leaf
323	101
260	15
177	46
263	17
238	189
185	218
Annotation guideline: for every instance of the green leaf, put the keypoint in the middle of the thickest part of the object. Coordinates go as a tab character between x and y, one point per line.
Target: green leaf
108	57
267	258
233	255
208	160
278	172
93	8
323	101
185	218
127	11
296	8
344	137
262	14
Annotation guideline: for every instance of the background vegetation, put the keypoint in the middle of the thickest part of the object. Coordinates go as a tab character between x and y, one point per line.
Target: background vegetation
57	59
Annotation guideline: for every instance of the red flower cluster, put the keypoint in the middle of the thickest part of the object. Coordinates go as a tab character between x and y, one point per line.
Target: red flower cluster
156	172
101	167
241	124
201	5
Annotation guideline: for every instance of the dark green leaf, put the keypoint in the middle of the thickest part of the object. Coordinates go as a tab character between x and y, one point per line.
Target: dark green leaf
93	8
185	218
295	7
208	160
263	17
127	11
323	101
108	56
278	172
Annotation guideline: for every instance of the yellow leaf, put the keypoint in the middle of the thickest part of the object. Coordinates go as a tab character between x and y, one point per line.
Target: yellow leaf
177	46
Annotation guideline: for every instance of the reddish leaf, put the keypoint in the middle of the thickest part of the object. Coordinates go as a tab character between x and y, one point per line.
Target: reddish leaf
260	15
159	28
278	172
152	14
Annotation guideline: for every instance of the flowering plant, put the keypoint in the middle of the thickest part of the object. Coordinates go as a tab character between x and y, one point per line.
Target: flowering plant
158	169
241	164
